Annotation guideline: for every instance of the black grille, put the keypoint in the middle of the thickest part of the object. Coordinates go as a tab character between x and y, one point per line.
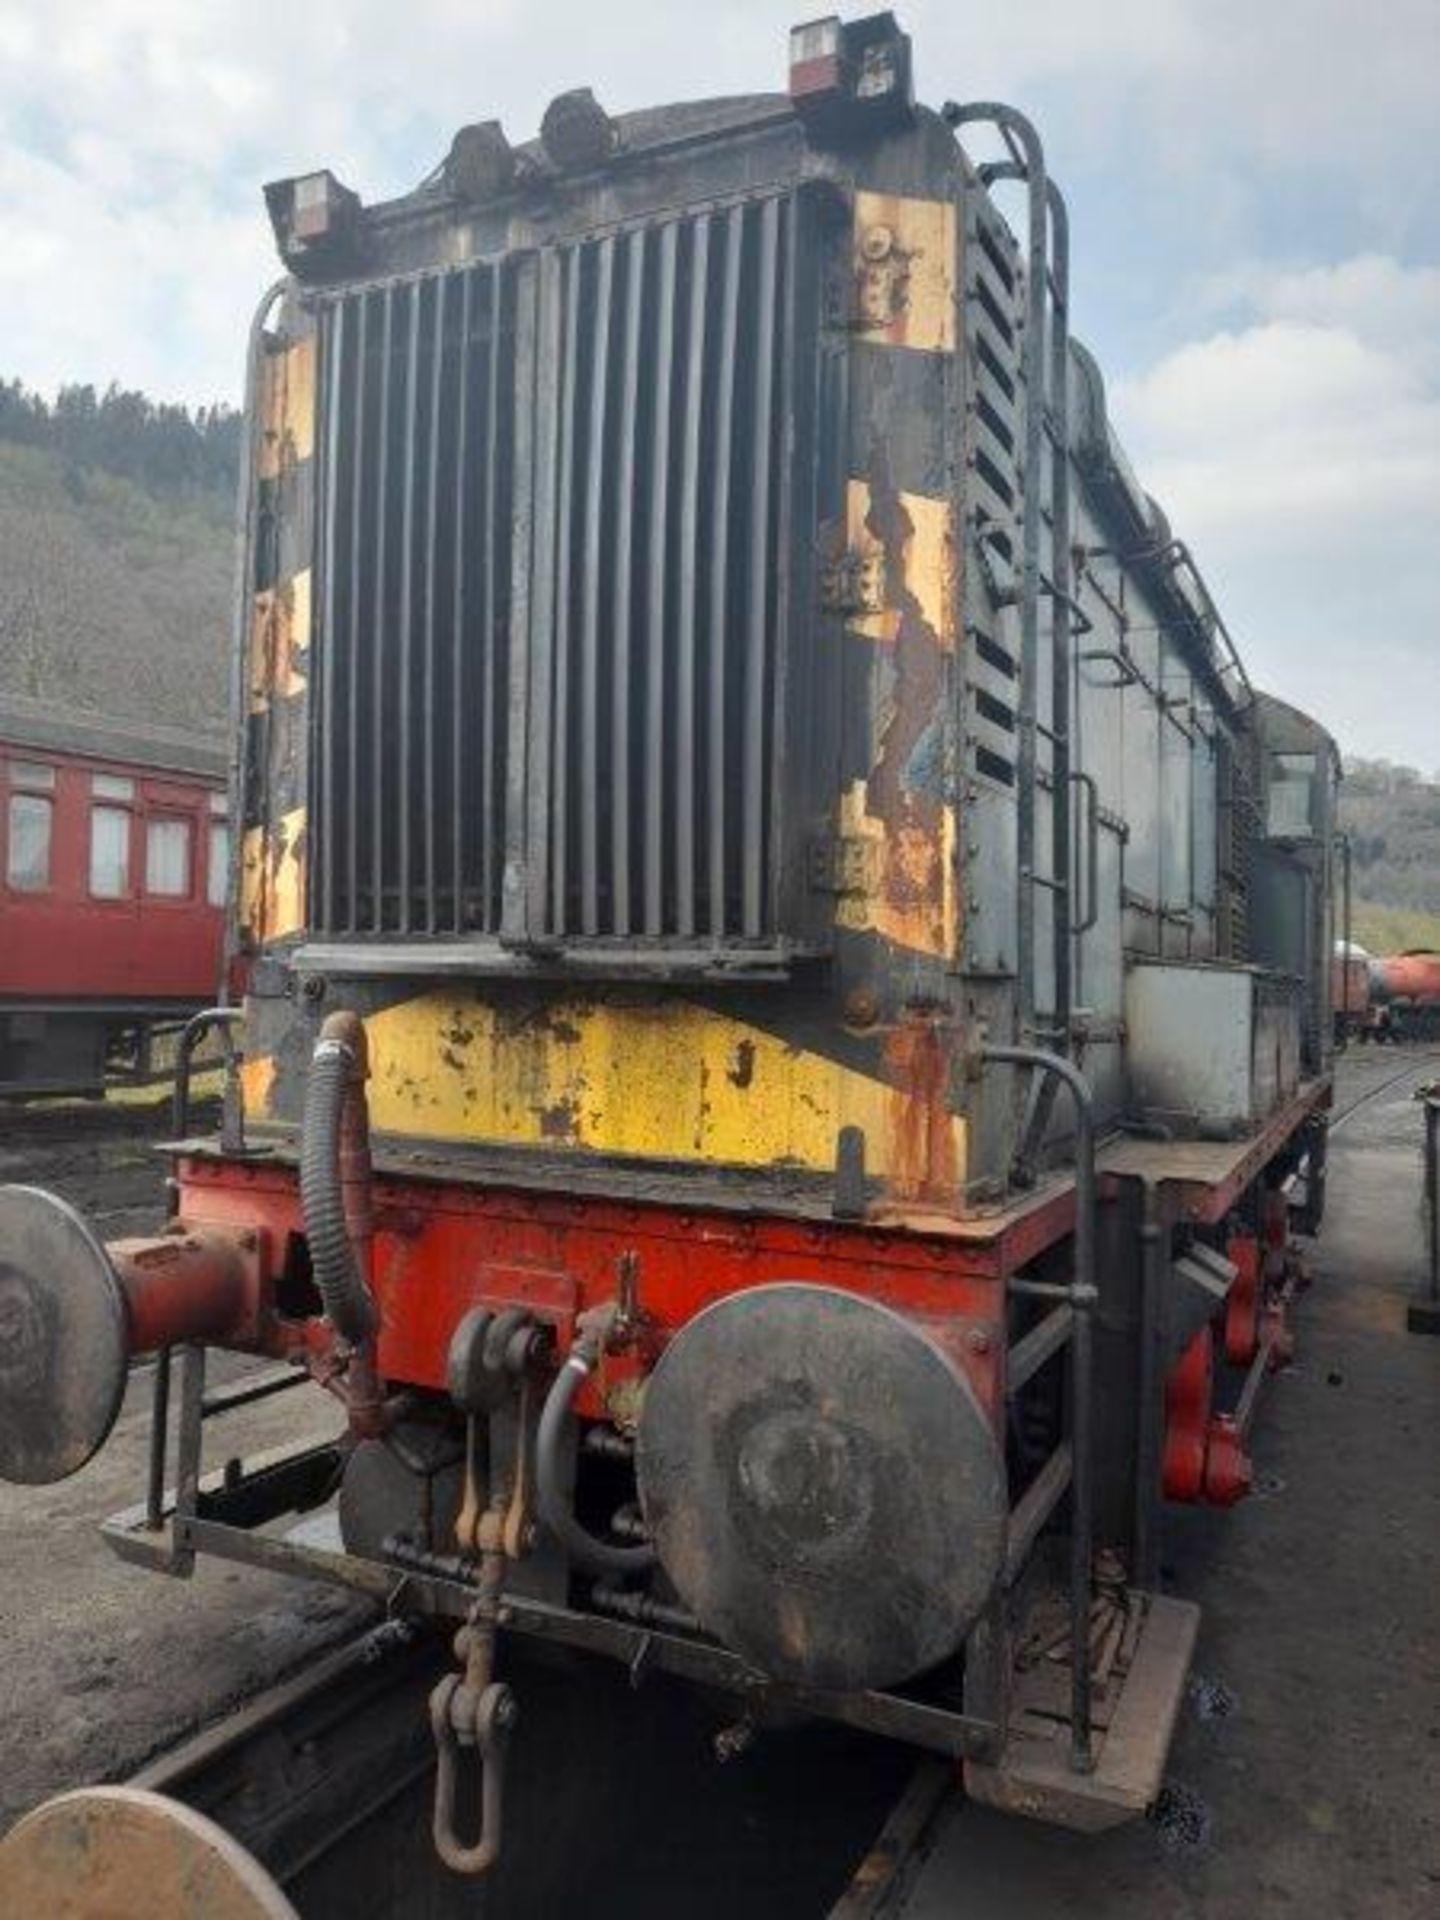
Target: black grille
415	570
555	501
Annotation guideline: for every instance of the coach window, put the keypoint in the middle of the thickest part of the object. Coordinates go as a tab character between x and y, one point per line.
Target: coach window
1292	807
30	827
167	858
217	879
110	836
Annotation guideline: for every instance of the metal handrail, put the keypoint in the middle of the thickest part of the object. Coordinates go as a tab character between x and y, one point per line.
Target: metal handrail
1081	1295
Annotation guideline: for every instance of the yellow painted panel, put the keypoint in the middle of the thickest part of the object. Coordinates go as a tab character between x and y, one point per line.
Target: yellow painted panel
279	630
286	409
906	271
654	1078
272	879
927	562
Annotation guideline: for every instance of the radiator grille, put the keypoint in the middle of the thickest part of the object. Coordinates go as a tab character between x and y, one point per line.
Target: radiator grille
552	567
415	569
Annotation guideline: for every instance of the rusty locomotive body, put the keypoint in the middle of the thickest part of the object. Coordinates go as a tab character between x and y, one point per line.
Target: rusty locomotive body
789	1008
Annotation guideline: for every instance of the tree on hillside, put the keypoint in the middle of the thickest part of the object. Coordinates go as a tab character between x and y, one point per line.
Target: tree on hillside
166	448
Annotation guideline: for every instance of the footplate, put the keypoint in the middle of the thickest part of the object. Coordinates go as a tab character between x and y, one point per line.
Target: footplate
1135	1708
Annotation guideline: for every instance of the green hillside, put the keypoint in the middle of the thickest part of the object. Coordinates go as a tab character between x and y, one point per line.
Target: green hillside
1392	816
116	557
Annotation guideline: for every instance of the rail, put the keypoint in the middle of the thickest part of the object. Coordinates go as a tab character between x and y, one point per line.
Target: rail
320	1776
1423	1315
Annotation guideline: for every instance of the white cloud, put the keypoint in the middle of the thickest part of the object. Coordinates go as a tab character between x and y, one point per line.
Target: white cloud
170	114
1371	295
1292	433
1300	456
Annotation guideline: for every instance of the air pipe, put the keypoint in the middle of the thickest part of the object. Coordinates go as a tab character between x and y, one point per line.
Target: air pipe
556	1506
335	1177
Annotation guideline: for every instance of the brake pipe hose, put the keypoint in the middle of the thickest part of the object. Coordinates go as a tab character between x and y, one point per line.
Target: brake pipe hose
599	1556
334	1163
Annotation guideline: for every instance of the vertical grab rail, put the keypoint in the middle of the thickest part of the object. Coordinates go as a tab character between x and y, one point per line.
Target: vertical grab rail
1063	602
1018	129
1082	1296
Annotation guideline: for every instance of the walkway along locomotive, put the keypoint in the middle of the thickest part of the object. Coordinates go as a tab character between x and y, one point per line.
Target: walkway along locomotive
789	1001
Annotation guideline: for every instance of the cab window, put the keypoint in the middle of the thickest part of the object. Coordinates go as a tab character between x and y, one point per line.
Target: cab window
1292	785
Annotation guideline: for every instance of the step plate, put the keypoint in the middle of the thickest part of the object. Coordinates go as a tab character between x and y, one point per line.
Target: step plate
1034	1776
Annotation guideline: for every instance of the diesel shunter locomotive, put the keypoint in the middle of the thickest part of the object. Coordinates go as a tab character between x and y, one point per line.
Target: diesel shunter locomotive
789	1015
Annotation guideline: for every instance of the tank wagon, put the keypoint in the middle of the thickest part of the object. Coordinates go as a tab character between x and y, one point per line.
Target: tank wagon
112	892
1351	971
1406	989
789	1008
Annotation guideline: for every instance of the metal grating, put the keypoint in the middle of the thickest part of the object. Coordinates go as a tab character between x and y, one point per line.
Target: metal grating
555	505
665	543
415	568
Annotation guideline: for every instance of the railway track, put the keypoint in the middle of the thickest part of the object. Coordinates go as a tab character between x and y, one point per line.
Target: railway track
1416	1065
326	1781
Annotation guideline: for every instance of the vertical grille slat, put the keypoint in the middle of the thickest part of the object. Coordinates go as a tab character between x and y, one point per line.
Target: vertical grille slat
528	736
621	690
332	372
345	666
561	636
460	614
405	677
380	801
720	568
596	476
550	565
656	624
492	642
433	696
689	582
757	629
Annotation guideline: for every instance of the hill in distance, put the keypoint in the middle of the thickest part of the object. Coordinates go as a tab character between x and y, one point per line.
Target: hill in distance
117	555
116	569
1392	816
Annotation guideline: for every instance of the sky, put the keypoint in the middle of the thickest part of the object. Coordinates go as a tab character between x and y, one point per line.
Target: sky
1254	192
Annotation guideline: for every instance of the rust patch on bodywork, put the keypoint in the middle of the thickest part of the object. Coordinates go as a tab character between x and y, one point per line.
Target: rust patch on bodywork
905	270
902	807
280	641
924	1160
272	879
286	409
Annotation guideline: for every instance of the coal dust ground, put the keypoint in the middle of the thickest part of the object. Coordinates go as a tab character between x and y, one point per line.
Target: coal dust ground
1303	1781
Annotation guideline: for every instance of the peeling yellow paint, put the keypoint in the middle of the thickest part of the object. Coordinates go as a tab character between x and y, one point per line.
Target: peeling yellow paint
279	630
257	1082
652	1077
913	901
272	879
928	563
906	270
285	409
